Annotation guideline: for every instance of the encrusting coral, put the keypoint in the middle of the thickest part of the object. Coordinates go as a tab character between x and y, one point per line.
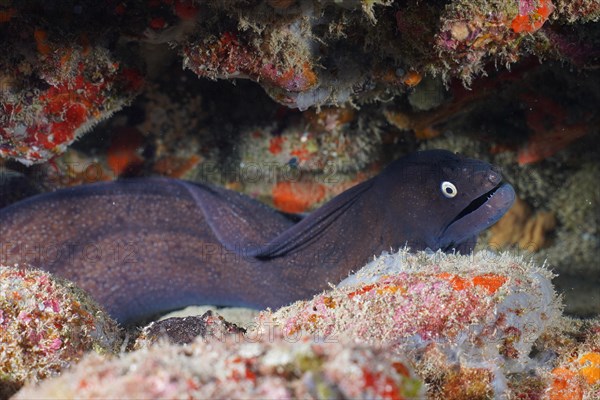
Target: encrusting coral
184	330
46	324
76	88
311	160
576	372
231	366
69	66
477	316
329	138
458	327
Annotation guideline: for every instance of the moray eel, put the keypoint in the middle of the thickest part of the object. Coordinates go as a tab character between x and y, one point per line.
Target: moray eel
149	245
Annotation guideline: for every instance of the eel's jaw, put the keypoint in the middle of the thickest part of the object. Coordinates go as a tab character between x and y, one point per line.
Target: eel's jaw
490	207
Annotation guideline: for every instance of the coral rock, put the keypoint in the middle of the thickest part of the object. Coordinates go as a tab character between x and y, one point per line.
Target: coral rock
46	324
76	89
183	330
267	367
229	57
476	316
576	372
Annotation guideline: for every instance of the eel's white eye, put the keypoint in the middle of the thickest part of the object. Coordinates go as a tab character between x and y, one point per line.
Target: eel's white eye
448	189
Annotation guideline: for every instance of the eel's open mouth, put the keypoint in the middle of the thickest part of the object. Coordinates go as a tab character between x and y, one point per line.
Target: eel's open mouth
477	203
480	214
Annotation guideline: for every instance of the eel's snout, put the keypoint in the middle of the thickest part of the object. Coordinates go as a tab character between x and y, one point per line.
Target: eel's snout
502	198
481	214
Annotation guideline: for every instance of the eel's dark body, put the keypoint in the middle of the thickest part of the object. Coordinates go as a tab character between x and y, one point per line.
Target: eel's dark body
149	245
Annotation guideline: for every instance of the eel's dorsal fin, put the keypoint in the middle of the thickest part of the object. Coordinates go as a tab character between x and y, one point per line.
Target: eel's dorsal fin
238	221
249	228
309	229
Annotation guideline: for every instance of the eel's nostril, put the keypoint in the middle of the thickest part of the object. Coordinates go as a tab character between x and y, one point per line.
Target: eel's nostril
494	175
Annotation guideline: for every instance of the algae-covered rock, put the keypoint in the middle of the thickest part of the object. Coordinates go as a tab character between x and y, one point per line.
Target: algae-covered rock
576	368
46	324
183	330
67	66
467	323
578	201
76	89
456	326
472	299
233	367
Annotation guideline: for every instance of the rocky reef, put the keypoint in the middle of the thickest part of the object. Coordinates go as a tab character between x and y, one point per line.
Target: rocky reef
467	323
233	368
404	327
72	64
293	102
46	324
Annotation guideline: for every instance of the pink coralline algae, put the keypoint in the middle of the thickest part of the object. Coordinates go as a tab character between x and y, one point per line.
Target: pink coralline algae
229	57
576	372
476	316
46	325
578	10
470	35
65	70
270	367
456	327
74	89
530	17
319	140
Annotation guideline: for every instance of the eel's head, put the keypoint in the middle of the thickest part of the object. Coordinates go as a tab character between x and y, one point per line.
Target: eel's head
476	198
484	210
455	198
